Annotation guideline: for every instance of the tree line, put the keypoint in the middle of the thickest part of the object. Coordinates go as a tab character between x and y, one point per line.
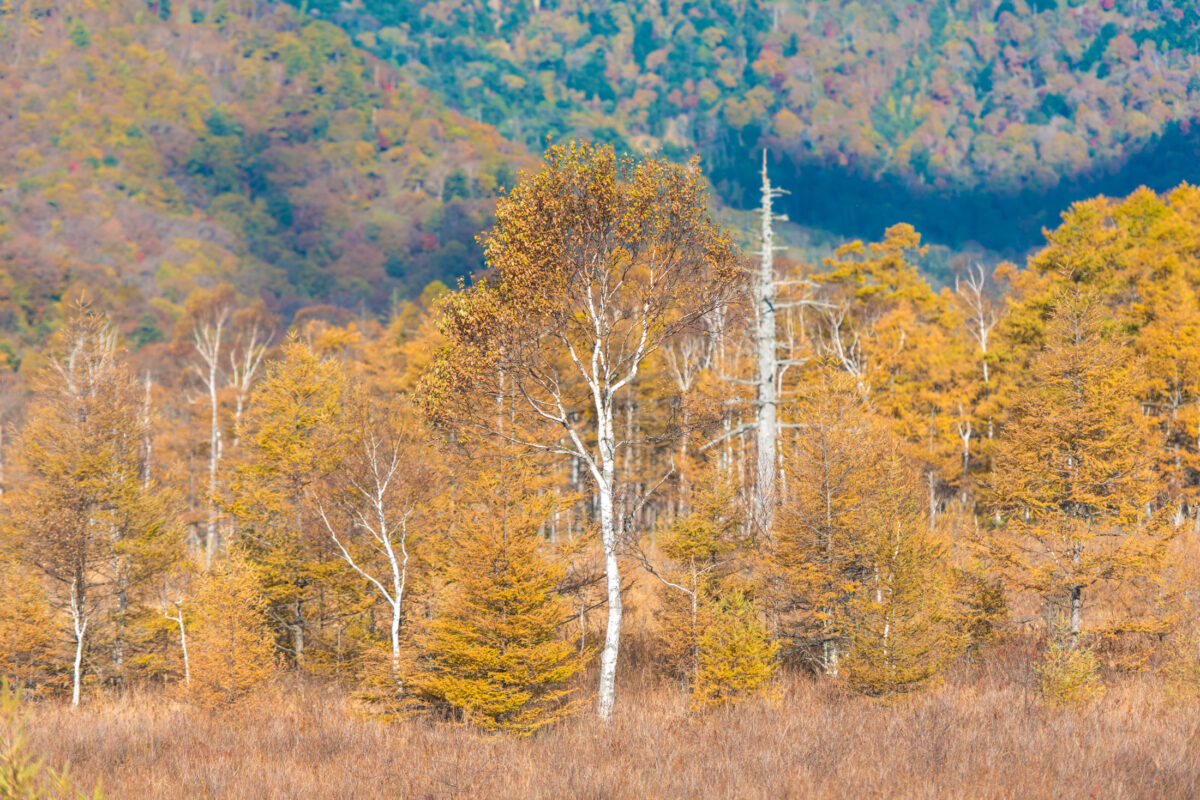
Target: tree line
825	469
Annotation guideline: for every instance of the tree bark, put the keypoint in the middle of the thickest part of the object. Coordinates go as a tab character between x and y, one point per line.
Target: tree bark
608	530
79	623
767	366
1076	614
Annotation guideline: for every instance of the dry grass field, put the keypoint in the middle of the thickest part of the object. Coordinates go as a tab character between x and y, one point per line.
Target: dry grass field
982	733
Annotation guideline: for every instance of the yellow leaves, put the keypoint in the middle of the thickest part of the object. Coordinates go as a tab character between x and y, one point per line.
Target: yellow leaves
28	631
233	650
493	650
1073	467
294	426
1069	676
737	657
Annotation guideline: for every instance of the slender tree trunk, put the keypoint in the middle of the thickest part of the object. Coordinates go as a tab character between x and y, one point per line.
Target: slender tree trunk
147	438
79	623
119	625
929	476
298	632
608	530
214	460
1076	620
187	664
399	580
396	645
767	368
1076	614
178	619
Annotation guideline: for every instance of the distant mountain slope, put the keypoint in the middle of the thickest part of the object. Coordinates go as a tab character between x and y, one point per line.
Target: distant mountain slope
944	93
145	153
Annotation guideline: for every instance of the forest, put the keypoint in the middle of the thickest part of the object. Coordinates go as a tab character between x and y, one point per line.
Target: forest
1014	108
374	425
631	458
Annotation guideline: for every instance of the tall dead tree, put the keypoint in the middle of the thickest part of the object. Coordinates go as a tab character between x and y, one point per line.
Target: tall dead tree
766	348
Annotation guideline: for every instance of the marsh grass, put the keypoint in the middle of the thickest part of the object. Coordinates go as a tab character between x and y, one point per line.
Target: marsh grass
984	731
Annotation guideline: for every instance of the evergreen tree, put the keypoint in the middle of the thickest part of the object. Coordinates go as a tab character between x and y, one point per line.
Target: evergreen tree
28	644
1072	477
736	655
818	562
85	516
902	629
232	652
294	436
493	649
860	583
702	549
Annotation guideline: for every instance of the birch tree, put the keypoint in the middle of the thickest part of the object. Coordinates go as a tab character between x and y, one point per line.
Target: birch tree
82	514
375	501
596	262
208	339
221	335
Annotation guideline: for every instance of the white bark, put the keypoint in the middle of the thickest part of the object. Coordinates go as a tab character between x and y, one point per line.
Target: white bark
370	509
178	619
147	440
617	317
79	622
244	364
981	315
207	339
766	350
686	360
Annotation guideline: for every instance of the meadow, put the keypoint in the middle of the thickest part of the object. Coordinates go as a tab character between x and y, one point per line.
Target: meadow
983	731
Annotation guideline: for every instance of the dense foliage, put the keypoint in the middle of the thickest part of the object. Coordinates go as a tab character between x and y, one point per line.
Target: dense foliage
938	93
441	514
149	150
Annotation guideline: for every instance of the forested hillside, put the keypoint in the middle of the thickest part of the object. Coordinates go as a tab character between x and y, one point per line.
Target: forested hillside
150	150
349	449
975	98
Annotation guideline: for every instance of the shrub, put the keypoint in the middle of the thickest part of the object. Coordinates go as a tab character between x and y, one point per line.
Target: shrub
1069	676
737	658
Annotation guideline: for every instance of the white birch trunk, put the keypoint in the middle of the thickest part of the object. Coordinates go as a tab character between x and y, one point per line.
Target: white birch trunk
387	535
612	574
147	438
207	339
79	622
178	619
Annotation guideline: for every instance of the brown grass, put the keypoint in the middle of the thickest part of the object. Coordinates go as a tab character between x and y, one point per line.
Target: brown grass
982	733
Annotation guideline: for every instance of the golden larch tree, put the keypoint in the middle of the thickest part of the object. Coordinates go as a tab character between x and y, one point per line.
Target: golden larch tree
736	657
902	629
294	436
232	648
493	650
1073	478
84	514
